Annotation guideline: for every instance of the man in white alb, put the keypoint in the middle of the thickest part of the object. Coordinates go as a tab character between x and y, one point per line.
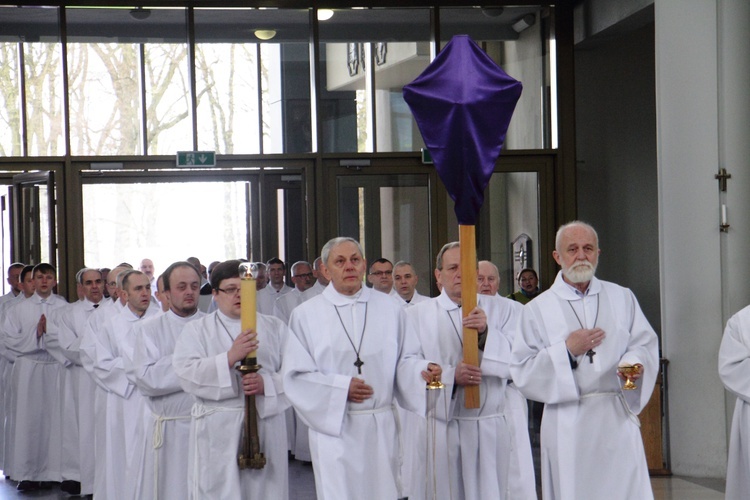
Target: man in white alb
320	280
6	365
381	276
108	355
303	279
67	327
734	370
521	476
488	278
405	281
159	466
37	445
205	357
347	358
472	445
572	339
268	295
14	280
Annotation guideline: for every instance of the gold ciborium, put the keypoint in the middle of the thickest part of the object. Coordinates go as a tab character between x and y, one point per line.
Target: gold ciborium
628	371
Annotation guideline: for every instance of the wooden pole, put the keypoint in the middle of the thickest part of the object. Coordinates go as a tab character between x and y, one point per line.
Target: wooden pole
467	240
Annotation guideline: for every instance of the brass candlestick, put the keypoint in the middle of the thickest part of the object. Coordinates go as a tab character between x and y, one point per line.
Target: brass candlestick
251	456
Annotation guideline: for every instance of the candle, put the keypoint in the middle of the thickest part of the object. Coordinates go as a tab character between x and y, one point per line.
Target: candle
724	214
248	292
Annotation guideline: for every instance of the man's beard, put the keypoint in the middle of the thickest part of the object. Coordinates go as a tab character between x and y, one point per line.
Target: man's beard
580	272
186	311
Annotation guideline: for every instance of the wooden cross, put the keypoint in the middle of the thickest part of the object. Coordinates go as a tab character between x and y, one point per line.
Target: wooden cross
590	353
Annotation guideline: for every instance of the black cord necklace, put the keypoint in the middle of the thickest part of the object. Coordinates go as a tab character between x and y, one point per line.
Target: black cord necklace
358	363
590	353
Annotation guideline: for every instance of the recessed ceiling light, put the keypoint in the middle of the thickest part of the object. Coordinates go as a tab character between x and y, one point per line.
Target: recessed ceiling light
265	34
140	13
324	14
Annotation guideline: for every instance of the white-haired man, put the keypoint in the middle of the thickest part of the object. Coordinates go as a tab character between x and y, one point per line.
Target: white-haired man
488	278
346	358
303	279
521	477
573	337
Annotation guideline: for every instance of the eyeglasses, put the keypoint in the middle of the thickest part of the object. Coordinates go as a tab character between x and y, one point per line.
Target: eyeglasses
307	276
381	273
232	290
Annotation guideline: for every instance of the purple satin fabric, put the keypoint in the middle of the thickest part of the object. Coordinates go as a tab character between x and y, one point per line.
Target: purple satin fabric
463	103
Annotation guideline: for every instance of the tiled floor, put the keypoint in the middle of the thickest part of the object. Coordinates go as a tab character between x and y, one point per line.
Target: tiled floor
302	487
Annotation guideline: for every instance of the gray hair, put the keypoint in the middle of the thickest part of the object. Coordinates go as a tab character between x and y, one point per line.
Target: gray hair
494	267
298	264
570	224
80	273
446	247
332	243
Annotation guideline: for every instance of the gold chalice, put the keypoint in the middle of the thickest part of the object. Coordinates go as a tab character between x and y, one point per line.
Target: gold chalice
628	371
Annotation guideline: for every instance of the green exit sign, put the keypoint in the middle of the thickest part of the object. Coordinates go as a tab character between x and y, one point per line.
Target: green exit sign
426	157
196	158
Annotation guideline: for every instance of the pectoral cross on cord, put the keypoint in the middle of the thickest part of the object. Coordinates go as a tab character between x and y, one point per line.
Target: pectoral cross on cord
590	353
358	363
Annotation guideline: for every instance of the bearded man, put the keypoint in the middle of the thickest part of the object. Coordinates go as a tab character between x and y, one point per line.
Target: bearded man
572	339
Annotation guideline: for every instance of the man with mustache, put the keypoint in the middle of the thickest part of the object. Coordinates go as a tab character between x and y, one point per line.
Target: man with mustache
572	339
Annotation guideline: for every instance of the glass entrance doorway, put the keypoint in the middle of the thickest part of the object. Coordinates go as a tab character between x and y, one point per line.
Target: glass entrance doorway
172	218
389	215
165	222
33	215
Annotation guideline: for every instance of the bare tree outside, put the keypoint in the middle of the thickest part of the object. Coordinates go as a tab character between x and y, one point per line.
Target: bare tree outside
10	104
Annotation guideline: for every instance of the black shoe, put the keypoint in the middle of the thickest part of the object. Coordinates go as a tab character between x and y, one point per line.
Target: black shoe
72	487
28	486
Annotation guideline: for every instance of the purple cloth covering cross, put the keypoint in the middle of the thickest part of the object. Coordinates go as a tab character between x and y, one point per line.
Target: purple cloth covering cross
463	103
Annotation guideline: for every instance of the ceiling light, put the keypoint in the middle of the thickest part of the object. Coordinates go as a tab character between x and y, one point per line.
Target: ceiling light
492	11
140	13
524	22
324	14
265	34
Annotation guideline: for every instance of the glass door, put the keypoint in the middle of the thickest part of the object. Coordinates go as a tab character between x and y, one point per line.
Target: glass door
165	222
33	218
224	214
390	216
